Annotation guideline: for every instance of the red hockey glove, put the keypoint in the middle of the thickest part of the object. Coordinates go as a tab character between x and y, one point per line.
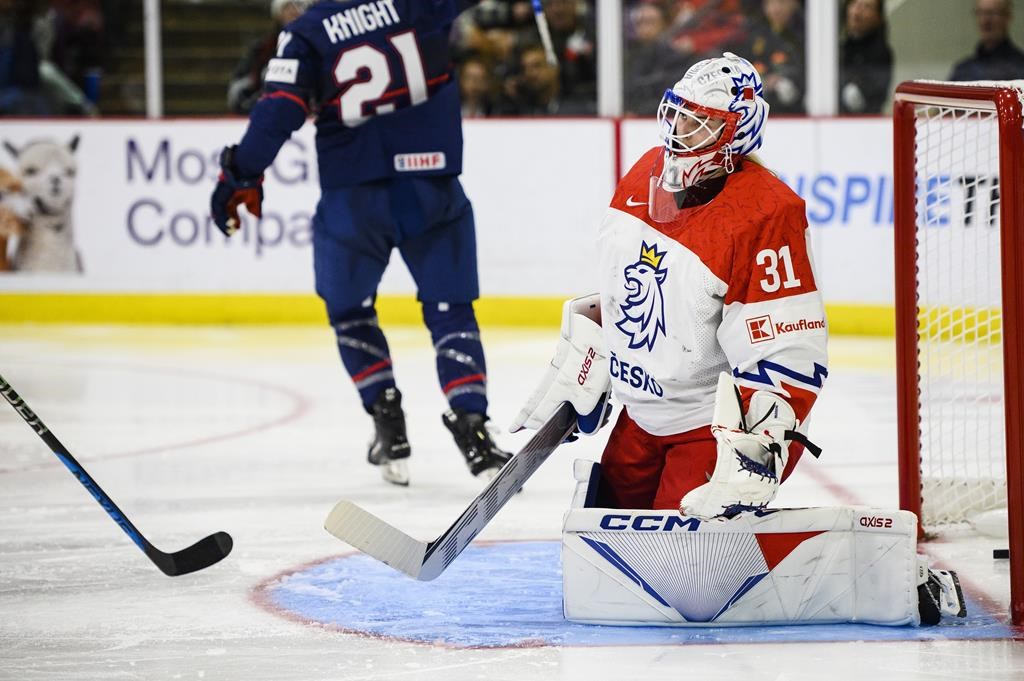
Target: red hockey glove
233	191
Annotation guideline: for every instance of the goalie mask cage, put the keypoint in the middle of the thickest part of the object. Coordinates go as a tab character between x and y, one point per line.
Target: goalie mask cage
959	238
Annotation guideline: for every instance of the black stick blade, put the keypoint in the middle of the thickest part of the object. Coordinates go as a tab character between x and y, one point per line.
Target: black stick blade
202	554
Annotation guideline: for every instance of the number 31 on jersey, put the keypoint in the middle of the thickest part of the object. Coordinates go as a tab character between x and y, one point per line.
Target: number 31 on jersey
770	260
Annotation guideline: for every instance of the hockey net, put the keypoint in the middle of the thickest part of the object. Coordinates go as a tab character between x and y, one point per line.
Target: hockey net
959	192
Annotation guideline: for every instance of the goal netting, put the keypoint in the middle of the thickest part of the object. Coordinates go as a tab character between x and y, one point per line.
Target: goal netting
959	230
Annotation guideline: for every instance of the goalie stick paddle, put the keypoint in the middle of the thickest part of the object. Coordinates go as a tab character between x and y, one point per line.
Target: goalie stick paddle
202	554
426	560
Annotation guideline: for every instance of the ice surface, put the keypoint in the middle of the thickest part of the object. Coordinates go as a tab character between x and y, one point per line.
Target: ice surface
258	432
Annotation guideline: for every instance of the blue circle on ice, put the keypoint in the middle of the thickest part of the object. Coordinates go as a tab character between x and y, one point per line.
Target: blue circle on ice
509	594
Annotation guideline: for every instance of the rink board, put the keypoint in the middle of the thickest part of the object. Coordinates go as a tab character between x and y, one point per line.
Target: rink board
509	594
139	211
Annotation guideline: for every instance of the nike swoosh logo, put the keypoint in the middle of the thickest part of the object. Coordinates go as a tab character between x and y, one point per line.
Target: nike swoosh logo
631	202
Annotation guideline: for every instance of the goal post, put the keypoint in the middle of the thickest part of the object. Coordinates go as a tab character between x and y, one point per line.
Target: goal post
959	240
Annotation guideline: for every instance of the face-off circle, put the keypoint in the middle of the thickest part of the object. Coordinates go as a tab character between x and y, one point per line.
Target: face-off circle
509	594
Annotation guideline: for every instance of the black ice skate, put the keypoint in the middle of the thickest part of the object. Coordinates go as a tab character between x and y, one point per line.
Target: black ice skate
390	447
938	594
483	457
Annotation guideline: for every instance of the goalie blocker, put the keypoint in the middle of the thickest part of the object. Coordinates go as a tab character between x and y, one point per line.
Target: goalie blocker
787	566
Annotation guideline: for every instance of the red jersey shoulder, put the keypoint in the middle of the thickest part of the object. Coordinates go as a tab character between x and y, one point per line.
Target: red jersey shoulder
754	207
754	199
770	257
632	191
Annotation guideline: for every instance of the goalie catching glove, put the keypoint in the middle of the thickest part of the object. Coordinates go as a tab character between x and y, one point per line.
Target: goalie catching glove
578	373
753	450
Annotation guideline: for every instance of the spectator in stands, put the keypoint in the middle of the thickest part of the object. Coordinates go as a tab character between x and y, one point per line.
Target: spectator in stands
21	88
30	83
247	80
64	96
475	88
573	37
79	42
491	33
702	27
865	58
995	57
537	90
649	60
776	50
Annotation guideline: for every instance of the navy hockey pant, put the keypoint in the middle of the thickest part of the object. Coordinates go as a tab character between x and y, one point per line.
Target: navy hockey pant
430	221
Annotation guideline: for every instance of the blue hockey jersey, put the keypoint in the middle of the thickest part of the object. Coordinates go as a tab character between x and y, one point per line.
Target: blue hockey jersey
378	77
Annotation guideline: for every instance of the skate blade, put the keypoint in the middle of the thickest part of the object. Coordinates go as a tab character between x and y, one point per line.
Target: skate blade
396	472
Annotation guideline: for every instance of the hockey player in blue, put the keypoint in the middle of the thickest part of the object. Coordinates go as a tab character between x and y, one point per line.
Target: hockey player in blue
377	76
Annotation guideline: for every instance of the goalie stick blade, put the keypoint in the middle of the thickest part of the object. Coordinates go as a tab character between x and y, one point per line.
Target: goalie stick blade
426	561
376	538
202	554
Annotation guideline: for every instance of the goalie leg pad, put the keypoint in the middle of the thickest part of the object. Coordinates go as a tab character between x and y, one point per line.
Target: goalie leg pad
641	567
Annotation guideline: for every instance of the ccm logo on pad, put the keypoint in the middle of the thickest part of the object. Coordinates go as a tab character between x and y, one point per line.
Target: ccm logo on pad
649	523
874	521
588	361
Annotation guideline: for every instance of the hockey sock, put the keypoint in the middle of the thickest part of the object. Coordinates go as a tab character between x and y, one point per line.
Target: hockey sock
364	352
461	369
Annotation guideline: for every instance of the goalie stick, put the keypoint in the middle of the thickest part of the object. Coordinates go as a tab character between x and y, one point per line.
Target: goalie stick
427	560
202	554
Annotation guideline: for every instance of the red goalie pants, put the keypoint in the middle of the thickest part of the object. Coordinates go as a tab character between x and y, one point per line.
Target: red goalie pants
640	470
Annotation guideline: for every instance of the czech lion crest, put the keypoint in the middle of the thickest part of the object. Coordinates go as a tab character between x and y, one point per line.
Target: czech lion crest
644	308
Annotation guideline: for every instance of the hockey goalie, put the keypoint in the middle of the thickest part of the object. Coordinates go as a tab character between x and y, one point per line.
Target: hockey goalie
709	329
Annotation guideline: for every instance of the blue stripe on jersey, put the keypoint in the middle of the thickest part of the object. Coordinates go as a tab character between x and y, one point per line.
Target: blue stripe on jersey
764	366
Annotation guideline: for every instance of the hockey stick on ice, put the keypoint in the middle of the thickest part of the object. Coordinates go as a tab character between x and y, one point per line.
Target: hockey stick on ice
202	554
426	560
545	32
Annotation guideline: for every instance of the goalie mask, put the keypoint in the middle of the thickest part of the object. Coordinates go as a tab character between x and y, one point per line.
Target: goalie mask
715	114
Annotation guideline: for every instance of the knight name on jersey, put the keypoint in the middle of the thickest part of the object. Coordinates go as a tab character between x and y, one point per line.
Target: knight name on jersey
431	160
360	19
633	375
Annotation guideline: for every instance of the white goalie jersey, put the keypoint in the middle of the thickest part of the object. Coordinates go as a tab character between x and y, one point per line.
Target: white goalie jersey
727	286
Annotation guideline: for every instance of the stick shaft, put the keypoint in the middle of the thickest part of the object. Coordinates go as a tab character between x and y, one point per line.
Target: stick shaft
545	32
427	560
71	463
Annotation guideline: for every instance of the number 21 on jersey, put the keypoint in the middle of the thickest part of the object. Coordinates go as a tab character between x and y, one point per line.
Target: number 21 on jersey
364	76
770	260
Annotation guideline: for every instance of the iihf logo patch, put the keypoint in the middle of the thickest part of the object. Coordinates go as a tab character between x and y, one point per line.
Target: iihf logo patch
644	309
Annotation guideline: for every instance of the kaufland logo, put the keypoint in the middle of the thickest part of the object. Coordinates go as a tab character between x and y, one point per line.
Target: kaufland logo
760	329
802	325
